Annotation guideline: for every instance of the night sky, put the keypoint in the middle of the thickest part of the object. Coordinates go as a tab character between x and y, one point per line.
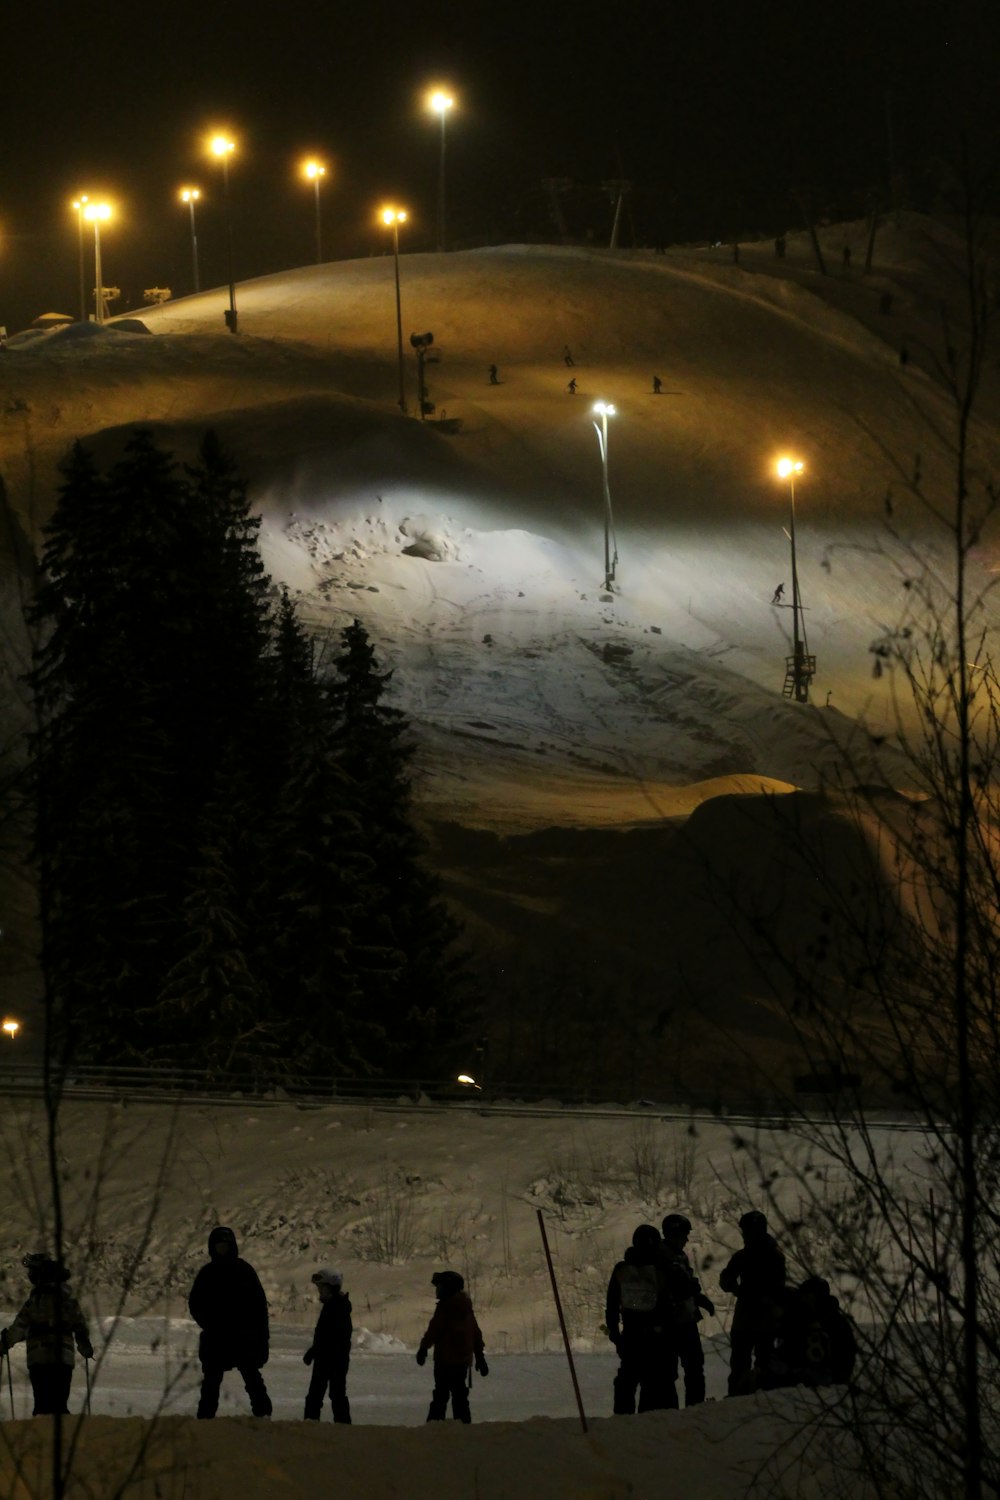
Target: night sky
713	110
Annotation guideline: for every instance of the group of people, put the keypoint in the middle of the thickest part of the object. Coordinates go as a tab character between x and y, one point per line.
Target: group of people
568	359
780	1335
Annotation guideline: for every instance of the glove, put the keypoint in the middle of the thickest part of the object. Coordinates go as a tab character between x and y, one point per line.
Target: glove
307	1358
86	1349
707	1304
421	1355
482	1368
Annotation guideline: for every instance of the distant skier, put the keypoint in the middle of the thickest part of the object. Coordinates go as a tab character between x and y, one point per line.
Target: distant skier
634	1317
567	356
657	385
330	1351
494	380
50	1321
457	1341
571	387
227	1302
778	594
757	1276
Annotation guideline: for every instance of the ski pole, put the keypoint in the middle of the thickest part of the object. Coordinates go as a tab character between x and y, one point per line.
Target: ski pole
10	1385
86	1371
562	1321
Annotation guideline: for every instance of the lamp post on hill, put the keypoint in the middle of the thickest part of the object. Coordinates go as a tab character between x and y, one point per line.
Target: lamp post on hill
604	410
94	213
190	196
79	204
222	148
315	171
440	102
393	217
800	667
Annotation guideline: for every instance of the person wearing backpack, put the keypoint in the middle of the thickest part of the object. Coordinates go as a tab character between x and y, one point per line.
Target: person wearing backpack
633	1316
50	1321
685	1301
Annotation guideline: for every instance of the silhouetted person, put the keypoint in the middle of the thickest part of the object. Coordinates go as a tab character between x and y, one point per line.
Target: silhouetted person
493	375
329	1354
756	1274
845	257
567	356
686	1300
657	385
778	594
904	355
736	253
779	247
634	1317
457	1341
50	1321
227	1302
571	387
815	1343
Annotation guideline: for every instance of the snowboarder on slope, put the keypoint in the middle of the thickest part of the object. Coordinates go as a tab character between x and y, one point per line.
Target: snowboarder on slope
778	593
50	1321
227	1302
633	1316
756	1274
330	1351
457	1341
571	387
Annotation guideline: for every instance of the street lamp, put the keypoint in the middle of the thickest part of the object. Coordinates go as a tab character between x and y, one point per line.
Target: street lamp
79	204
440	102
190	196
11	1027
222	148
314	171
604	411
393	217
800	667
94	213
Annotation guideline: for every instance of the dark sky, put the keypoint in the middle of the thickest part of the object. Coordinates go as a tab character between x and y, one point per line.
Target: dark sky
713	109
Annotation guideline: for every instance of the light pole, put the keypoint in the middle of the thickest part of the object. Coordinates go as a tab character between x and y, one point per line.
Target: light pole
801	667
94	213
190	196
223	148
440	102
315	171
604	411
393	217
79	204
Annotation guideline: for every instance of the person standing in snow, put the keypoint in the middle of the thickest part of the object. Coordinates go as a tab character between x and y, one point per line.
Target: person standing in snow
50	1321
227	1302
567	356
779	591
756	1274
457	1341
657	385
494	378
633	1316
571	387
330	1351
685	1302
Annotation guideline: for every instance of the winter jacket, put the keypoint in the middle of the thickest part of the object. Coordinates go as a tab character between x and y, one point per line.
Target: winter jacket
682	1289
635	1301
50	1321
331	1345
227	1302
757	1275
453	1332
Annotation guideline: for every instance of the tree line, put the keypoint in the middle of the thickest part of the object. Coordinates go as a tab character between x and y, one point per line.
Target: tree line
229	871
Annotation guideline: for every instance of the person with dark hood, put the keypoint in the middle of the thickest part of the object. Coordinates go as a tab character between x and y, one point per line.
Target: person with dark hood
330	1351
685	1303
457	1341
227	1302
756	1274
50	1322
815	1343
634	1316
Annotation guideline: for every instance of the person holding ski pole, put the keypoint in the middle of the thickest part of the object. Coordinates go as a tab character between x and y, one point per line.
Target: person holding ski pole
50	1321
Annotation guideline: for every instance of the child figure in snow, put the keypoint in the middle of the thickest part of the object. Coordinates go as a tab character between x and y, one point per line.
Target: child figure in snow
457	1341
634	1317
330	1351
757	1276
50	1321
227	1302
685	1303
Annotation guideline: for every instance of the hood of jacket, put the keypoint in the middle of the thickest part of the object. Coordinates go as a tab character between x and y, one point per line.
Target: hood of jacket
220	1235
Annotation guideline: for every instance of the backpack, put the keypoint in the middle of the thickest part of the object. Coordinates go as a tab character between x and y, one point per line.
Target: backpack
640	1288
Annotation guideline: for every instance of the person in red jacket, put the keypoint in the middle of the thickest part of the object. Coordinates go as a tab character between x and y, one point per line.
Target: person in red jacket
457	1341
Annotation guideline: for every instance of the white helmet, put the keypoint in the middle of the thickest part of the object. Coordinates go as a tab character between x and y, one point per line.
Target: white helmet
326	1277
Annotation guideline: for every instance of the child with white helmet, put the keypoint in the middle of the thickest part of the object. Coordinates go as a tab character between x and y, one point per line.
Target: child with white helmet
330	1351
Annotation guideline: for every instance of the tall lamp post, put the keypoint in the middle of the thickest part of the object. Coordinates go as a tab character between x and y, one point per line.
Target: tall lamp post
79	204
393	217
94	213
603	410
440	102
315	172
190	196
800	668
223	148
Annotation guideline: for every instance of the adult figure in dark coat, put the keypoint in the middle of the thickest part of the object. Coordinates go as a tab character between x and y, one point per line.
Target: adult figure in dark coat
227	1302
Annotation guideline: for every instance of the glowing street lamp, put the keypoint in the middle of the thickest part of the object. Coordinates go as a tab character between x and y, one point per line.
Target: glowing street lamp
190	196
222	148
315	172
94	213
439	102
393	217
11	1027
603	410
469	1081
79	204
800	667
